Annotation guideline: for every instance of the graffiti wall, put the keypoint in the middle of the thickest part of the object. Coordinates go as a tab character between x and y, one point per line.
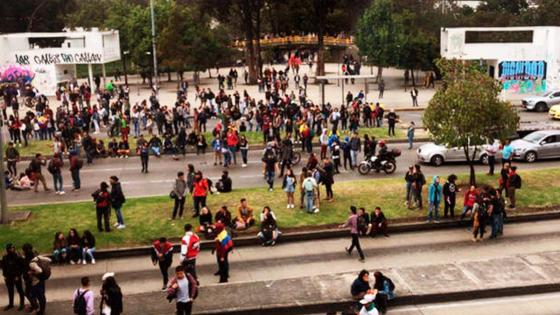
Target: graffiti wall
523	77
16	73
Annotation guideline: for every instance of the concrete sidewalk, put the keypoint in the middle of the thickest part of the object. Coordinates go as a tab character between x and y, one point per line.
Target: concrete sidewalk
315	276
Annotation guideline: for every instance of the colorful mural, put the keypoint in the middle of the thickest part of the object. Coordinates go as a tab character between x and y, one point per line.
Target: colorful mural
16	73
524	86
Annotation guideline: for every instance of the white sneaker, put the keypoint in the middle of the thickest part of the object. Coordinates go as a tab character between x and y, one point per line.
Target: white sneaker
56	192
120	227
93	261
72	262
61	192
288	206
243	165
116	224
316	210
84	262
270	189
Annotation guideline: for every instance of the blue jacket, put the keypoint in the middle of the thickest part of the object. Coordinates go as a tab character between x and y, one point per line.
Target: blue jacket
435	191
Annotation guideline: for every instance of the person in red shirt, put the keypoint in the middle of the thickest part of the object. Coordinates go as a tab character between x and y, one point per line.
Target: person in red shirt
162	254
200	191
232	140
470	199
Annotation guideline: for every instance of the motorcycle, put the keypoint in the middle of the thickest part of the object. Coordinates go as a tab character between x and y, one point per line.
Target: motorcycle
388	165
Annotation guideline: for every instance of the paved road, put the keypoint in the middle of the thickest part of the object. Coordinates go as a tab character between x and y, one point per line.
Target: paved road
163	172
446	255
540	304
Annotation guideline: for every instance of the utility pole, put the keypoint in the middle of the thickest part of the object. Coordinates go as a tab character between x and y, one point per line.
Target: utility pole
3	201
154	42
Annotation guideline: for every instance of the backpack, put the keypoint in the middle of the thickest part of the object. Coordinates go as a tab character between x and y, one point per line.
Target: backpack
518	186
45	265
51	167
80	163
80	304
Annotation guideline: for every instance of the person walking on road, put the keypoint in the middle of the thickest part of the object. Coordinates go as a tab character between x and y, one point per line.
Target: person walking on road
13	267
102	199
270	164
190	248
224	245
12	157
391	122
352	223
36	164
117	201
39	272
178	194
414	96
111	295
75	165
162	255
184	289
144	156
381	87
55	168
434	199
83	299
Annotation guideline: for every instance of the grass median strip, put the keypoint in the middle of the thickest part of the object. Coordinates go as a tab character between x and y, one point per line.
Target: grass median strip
147	218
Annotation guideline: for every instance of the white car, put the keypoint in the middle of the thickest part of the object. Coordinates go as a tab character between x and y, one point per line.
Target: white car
437	154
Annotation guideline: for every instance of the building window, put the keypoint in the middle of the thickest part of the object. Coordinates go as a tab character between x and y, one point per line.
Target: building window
487	37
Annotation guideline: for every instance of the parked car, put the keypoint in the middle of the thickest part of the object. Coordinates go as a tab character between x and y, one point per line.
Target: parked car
554	112
543	144
542	103
437	154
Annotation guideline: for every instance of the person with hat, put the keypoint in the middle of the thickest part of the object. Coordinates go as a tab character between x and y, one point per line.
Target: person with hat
13	267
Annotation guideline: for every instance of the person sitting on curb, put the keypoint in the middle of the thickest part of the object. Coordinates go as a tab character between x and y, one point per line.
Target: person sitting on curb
378	223
269	229
385	291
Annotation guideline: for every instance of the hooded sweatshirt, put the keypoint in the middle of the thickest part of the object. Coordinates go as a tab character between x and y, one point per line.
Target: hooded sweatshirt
435	191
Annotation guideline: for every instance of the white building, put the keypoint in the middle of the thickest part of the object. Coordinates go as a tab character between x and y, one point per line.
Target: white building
55	65
525	59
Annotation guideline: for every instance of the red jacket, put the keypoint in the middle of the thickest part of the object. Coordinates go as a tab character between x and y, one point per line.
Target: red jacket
470	198
200	188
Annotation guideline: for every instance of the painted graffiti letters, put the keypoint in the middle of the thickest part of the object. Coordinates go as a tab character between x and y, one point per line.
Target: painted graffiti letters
59	58
513	70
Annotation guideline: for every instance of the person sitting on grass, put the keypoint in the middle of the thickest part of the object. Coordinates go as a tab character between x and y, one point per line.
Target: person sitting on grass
378	223
205	221
245	217
124	149
59	248
155	145
269	229
224	216
224	184
113	148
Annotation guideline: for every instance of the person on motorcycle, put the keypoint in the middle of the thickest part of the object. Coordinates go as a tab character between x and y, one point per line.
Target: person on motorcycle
381	155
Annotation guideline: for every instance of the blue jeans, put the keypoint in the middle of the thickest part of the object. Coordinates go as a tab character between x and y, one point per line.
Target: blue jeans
354	157
269	177
410	139
227	158
156	151
118	212
233	153
76	178
408	191
59	255
57	179
88	252
309	201
433	211
497	224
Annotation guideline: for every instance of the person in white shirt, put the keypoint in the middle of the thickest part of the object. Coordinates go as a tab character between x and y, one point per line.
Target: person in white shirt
183	288
84	298
368	305
491	150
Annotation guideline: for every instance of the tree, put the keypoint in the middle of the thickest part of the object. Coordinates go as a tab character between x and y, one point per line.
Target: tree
34	15
379	34
466	112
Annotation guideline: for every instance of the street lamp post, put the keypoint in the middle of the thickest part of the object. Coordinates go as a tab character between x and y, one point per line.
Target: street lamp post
125	53
3	201
154	41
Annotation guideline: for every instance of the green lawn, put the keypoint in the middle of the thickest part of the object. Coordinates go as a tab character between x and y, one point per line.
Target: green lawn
147	218
45	146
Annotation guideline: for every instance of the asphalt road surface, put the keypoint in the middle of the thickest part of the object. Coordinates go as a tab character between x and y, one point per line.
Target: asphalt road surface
163	171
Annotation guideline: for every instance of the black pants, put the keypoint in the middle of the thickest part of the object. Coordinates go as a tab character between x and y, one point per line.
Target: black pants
285	163
449	207
164	267
328	187
38	298
223	268
199	203
179	205
17	284
491	162
184	308
190	267
480	229
144	159
391	129
348	160
356	243
103	213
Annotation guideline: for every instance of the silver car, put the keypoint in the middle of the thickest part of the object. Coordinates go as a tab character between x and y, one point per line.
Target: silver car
437	154
541	103
543	144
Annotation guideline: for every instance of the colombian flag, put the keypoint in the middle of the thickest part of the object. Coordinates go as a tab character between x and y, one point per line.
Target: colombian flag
225	240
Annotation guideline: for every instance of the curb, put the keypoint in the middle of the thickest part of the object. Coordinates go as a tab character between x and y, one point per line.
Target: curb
255	147
398	301
251	240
